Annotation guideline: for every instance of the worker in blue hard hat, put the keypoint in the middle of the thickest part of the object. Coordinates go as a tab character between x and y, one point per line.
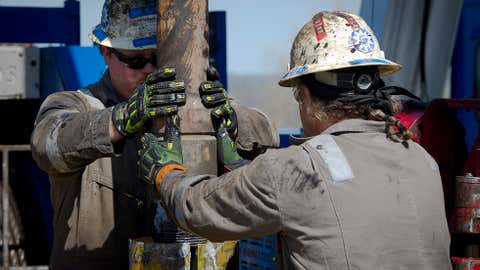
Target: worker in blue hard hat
87	141
355	193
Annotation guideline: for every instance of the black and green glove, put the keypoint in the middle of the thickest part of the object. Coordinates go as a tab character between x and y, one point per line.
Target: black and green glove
227	151
215	97
224	121
160	95
159	157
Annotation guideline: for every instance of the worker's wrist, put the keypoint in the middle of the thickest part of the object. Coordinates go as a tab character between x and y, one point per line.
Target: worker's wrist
233	166
115	136
163	171
233	133
119	118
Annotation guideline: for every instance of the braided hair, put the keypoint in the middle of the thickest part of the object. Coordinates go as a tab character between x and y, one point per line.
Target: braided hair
340	103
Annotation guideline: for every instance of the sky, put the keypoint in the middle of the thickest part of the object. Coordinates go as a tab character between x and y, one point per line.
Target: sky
259	33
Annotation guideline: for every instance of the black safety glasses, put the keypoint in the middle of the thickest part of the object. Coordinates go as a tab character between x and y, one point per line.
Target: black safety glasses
134	62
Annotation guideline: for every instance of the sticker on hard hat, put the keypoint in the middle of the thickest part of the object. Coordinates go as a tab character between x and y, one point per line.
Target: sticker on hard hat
142	11
319	27
105	18
362	40
350	20
140	42
99	33
296	71
368	61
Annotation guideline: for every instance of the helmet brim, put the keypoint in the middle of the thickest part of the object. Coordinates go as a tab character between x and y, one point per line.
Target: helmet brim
101	38
385	67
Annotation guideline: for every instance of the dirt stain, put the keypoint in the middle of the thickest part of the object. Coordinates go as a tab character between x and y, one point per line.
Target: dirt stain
302	180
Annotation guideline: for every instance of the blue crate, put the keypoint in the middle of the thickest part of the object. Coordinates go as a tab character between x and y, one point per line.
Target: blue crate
258	253
285	135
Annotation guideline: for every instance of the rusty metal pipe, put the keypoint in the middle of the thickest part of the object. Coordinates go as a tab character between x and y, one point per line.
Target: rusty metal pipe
5	149
182	42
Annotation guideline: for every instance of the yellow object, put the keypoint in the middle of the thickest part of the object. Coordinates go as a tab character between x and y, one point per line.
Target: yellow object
147	255
214	255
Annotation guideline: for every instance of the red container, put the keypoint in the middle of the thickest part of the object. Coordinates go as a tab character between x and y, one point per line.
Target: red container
467	205
466	263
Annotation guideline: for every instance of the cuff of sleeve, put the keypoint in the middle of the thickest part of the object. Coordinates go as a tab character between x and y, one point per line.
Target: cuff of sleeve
100	134
165	170
173	189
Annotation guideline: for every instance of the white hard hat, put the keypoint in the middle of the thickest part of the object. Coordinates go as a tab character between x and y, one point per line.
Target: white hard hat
127	24
335	40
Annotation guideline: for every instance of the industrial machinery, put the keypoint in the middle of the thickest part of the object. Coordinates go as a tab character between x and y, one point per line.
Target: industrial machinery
28	74
446	128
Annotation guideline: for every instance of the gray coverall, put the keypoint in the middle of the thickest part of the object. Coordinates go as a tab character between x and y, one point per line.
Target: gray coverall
346	199
98	201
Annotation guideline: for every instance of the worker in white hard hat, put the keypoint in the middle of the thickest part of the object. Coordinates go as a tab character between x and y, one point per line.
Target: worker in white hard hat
87	141
355	193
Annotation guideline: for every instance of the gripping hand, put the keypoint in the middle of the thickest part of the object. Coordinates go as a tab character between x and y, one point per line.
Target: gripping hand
224	121
215	97
159	157
160	95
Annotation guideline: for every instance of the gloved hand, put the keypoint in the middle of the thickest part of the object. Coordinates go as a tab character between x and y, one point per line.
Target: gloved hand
160	95
227	151
214	96
224	121
159	157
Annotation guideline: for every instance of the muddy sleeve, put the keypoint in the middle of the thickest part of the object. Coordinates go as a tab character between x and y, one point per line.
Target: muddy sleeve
256	131
242	203
71	131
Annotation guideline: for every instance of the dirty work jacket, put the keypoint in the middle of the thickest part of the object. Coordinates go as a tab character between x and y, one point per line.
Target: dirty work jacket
98	201
346	199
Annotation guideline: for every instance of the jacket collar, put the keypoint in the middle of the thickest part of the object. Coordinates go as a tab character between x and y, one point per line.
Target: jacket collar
355	125
346	126
105	91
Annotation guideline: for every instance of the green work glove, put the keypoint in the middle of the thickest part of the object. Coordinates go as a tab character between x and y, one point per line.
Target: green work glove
227	151
224	121
215	97
159	157
160	95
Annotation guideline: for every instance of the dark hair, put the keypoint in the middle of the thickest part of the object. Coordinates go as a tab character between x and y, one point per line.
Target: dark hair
347	102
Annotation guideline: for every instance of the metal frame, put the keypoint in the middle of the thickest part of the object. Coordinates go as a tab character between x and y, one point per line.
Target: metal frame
41	25
6	149
217	23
